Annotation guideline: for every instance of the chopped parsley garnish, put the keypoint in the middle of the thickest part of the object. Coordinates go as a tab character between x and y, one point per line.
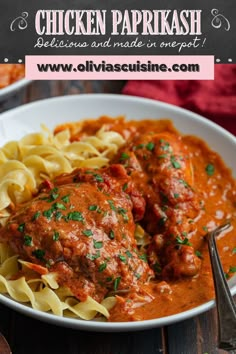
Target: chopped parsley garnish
234	250
102	267
55	236
111	235
66	198
21	227
123	212
99	211
143	257
59	206
176	195
184	241
48	213
165	146
98	177
92	257
205	228
138	276
184	182
124	156
75	216
122	258
232	269
112	206
93	207
140	146
129	254
150	146
174	162
109	279
36	215
88	233
125	186
97	244
163	156
58	215
39	254
53	195
210	169
27	240
198	254
116	283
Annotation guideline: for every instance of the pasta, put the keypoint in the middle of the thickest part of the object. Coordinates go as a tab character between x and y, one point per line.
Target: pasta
39	291
24	165
39	156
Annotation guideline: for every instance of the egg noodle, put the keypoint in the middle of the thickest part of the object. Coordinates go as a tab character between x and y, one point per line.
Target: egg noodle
24	165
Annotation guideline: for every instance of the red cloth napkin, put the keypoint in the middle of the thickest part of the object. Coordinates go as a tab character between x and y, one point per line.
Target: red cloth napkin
214	99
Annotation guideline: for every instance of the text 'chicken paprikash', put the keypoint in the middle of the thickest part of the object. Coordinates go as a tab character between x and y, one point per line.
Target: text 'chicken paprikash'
130	230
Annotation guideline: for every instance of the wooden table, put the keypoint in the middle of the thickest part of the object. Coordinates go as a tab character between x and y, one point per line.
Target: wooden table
28	336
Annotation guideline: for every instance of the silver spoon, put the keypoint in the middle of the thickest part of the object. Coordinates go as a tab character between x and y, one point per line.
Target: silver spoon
4	346
226	308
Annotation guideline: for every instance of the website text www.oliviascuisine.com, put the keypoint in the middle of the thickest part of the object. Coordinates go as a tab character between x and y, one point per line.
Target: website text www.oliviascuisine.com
119	67
103	66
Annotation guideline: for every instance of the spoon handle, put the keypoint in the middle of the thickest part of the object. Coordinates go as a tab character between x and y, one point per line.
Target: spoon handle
226	308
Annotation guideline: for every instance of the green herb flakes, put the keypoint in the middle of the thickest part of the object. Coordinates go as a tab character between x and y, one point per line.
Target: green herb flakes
55	236
174	162
36	215
122	258
116	283
98	178
92	257
205	228
184	241
88	233
93	207
111	235
129	254
48	213
232	269
66	198
210	169
97	244
125	186
39	254
198	254
143	257
150	146
27	240
75	216
102	267
58	206
124	156
21	227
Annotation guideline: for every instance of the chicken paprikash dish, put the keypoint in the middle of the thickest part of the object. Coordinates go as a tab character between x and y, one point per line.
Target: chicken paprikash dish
106	219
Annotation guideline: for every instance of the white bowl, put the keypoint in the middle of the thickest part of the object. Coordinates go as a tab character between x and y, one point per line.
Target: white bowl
13	88
19	121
